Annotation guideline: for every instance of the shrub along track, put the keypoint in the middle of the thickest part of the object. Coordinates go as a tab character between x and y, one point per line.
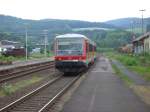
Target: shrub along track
42	98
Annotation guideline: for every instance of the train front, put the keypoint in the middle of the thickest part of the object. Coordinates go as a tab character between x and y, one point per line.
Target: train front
69	54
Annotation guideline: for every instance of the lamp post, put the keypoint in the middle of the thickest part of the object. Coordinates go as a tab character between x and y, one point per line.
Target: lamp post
26	41
45	42
132	29
131	25
142	10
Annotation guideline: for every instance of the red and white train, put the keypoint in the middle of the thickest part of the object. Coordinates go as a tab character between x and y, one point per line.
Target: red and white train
74	52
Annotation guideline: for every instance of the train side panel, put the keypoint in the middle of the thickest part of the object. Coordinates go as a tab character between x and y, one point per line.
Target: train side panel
90	53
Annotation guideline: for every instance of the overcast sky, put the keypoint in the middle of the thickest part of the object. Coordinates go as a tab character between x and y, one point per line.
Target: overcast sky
89	10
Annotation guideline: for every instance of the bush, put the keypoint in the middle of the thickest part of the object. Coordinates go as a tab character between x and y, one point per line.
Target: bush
131	62
128	60
7	89
6	59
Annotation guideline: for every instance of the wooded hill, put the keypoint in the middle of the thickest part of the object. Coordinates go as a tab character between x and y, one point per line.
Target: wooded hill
105	35
128	23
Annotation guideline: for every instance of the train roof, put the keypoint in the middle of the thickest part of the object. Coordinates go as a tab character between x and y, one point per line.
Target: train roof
72	35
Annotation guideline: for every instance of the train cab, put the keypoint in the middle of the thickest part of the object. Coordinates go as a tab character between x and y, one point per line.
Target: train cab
73	52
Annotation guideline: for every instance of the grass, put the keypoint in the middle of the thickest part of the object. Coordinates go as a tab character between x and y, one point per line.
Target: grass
139	64
143	71
36	55
2	94
125	59
8	89
122	76
9	58
32	56
40	55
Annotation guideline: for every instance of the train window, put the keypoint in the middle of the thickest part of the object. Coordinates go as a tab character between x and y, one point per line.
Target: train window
94	48
87	48
90	47
70	46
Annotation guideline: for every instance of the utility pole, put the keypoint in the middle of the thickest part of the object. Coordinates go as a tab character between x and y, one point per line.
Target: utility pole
45	42
26	41
142	10
132	30
132	23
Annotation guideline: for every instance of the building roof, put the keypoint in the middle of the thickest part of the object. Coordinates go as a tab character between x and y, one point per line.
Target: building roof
13	42
7	46
142	37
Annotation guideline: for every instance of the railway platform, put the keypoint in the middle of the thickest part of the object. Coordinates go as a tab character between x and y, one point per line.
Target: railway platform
24	63
103	91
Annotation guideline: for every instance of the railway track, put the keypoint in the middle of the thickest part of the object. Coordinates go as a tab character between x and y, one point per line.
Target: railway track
43	97
22	71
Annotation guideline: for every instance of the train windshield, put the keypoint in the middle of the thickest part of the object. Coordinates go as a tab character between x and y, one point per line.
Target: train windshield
70	46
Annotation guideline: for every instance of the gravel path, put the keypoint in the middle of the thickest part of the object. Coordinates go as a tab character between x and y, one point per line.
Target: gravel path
138	80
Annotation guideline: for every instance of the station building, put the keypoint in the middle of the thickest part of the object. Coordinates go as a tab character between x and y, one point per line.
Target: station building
142	44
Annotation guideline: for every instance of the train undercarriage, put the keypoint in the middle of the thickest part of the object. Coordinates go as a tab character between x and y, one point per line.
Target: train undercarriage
70	66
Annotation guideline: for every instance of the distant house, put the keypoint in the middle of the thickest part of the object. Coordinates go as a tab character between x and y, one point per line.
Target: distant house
142	44
42	46
5	45
11	43
128	48
11	48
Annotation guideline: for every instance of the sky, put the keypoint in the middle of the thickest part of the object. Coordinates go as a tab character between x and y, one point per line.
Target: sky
88	10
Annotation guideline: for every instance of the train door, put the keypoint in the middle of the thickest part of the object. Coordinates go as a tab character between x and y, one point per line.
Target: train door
87	51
